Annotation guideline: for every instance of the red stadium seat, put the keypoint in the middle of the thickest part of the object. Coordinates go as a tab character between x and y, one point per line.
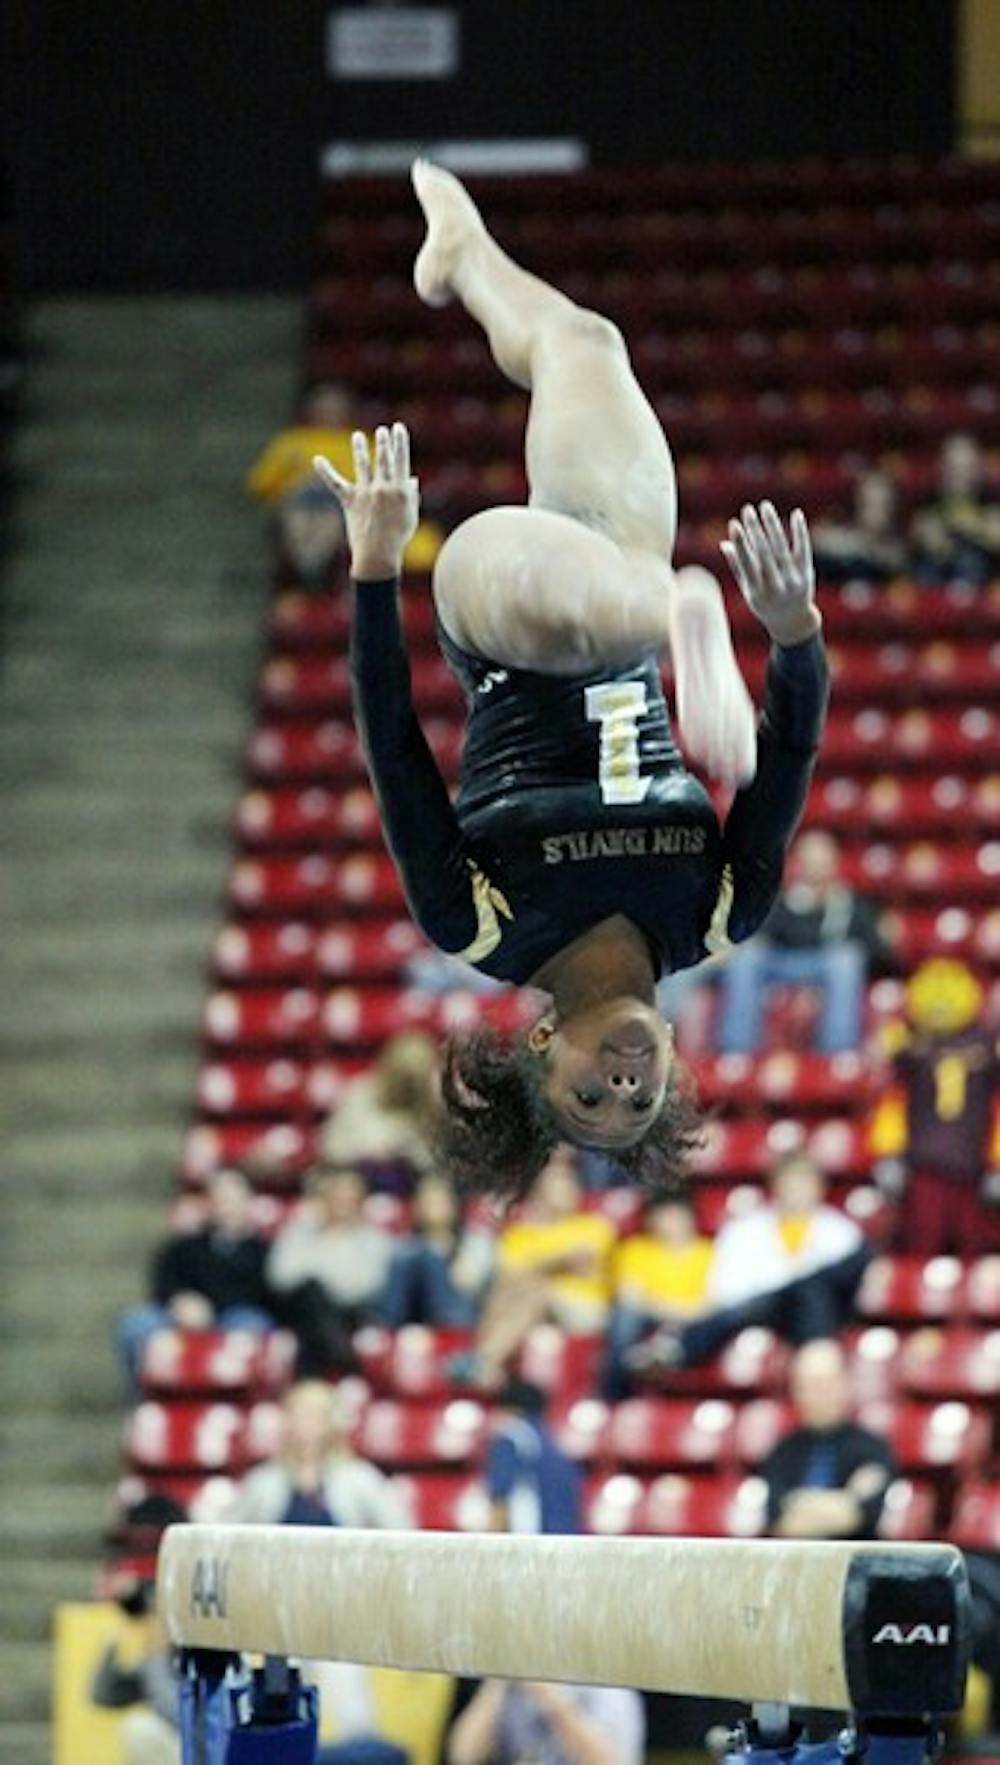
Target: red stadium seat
187	1437
910	1512
753	1364
408	1435
438	1501
413	1362
703	1507
259	1017
252	1087
650	1433
224	1363
676	1506
277	1151
563	1366
959	1363
909	1290
581	1428
266	954
949	1436
983	1290
975	1521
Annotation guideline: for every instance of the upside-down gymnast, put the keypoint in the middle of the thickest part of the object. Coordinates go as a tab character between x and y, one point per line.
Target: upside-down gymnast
580	857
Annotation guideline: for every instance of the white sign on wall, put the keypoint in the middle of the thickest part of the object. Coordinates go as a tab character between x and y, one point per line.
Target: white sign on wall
393	43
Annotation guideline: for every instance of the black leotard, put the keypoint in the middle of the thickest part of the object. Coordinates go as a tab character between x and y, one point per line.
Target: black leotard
574	803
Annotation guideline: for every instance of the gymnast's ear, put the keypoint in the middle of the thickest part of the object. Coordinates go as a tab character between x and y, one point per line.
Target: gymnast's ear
539	1037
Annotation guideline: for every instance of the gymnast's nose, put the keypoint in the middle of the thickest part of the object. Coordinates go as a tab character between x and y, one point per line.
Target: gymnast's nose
624	1081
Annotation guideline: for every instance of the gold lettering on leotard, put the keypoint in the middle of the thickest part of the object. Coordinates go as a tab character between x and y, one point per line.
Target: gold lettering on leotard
489	902
717	936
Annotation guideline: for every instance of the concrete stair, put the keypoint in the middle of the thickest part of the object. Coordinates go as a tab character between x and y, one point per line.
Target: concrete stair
130	618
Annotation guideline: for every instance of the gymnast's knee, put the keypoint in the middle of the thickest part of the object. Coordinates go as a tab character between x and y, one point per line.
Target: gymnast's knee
580	327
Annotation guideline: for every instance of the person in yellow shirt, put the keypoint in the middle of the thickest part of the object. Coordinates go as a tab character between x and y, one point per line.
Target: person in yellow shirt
552	1263
660	1276
310	526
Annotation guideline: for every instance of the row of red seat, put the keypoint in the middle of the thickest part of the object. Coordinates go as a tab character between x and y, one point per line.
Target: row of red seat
641	1434
290	819
960	292
620	1503
321	623
719	187
310	686
871	420
894	355
959	739
602	239
365	883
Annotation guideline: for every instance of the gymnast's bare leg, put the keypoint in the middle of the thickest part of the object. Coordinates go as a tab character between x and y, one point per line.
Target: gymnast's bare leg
583	575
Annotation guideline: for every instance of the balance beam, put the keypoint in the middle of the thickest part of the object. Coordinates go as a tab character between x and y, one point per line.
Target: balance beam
877	1629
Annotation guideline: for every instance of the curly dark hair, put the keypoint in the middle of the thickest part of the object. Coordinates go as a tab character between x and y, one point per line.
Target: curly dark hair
498	1129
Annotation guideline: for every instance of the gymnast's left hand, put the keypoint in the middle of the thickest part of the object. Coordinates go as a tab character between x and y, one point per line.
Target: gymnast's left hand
776	578
381	507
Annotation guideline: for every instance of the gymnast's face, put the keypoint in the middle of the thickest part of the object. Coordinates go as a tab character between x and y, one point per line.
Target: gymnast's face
606	1071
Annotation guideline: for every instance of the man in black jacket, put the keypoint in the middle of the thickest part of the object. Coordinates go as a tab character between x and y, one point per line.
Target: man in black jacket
209	1279
828	1478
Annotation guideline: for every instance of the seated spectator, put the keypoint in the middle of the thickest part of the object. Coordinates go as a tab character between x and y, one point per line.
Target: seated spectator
956	534
660	1276
820	933
828	1478
136	1674
386	1118
793	1265
867	546
328	1269
506	1721
211	1279
439	1274
315	1477
553	1262
533	1485
933	1133
310	530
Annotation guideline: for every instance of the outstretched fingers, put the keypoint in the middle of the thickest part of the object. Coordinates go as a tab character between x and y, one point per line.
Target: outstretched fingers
401	451
802	544
342	488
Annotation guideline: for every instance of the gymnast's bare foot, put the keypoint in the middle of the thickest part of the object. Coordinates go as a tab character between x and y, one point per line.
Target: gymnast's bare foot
452	220
714	709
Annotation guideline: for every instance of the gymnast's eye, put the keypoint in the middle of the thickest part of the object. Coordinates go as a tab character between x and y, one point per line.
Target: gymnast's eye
641	1104
589	1099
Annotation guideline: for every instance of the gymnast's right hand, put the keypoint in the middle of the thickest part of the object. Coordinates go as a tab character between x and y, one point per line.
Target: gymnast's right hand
381	507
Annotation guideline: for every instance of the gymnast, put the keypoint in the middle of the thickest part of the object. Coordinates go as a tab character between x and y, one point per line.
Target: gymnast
580	857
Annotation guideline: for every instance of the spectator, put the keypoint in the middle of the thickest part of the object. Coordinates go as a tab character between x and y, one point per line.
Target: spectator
956	534
793	1265
549	1724
660	1276
439	1274
533	1486
328	416
554	1263
932	1132
212	1278
135	1674
828	1478
867	546
315	1477
386	1118
820	933
310	535
328	1268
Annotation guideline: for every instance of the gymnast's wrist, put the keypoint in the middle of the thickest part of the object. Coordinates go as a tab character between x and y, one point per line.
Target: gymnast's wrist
376	566
796	628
